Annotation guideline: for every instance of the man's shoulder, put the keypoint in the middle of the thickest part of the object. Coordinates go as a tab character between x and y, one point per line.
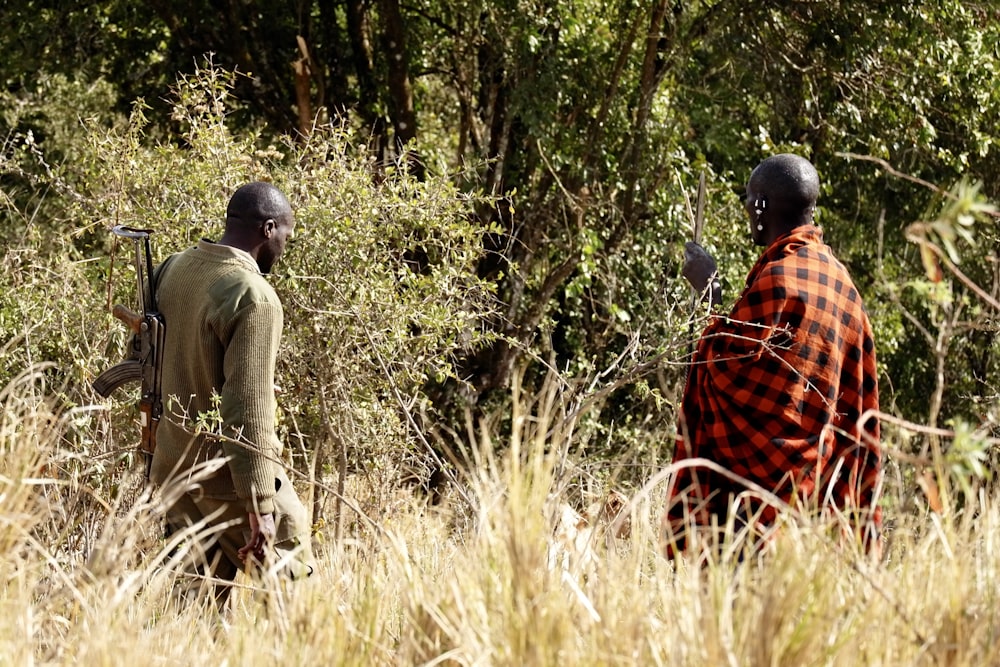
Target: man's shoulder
244	288
811	269
804	262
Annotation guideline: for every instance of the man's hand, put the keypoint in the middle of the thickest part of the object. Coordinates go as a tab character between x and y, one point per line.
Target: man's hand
700	271
262	532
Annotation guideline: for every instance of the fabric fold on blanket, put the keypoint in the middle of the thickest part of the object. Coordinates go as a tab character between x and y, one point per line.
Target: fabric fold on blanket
776	393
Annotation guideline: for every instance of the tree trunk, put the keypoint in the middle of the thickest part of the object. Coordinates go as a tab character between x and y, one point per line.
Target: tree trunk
490	369
359	27
303	89
404	119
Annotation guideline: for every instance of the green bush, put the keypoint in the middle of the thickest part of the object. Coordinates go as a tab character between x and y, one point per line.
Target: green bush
379	284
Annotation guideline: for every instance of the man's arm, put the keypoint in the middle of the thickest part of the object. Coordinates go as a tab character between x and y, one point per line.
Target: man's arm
248	404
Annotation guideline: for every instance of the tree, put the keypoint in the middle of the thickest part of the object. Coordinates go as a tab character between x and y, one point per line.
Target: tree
587	124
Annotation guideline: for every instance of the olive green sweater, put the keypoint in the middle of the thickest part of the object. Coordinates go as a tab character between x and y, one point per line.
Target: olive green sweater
223	326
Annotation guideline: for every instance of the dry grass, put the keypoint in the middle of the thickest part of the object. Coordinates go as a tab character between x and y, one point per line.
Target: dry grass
420	585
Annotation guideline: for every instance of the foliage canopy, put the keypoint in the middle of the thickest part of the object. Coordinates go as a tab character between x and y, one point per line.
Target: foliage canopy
511	181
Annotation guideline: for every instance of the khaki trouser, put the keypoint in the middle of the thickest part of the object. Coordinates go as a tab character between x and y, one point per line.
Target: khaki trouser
219	528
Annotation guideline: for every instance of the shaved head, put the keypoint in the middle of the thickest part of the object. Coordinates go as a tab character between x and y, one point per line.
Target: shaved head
789	182
781	195
259	220
255	202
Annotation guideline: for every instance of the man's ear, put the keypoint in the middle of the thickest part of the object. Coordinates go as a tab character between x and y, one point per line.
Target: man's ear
268	227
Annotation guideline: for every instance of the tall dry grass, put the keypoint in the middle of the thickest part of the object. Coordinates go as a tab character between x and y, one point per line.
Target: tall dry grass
476	583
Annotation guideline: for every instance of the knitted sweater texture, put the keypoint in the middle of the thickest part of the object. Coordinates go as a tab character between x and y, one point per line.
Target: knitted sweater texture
223	328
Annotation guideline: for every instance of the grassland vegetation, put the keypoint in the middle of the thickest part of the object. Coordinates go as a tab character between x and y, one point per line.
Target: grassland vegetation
396	280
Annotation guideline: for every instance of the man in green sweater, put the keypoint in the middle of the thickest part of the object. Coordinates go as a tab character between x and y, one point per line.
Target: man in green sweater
223	326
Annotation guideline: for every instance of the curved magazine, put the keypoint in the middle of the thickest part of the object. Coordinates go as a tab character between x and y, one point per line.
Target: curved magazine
119	374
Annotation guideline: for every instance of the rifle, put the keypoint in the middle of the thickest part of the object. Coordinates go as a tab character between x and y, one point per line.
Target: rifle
144	361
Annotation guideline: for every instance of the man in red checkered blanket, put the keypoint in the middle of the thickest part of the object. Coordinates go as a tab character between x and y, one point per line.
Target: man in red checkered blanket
776	410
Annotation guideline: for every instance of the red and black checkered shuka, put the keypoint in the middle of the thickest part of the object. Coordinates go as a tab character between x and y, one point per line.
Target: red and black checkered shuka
775	395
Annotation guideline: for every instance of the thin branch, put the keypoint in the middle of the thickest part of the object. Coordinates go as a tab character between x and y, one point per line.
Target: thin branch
964	279
895	172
